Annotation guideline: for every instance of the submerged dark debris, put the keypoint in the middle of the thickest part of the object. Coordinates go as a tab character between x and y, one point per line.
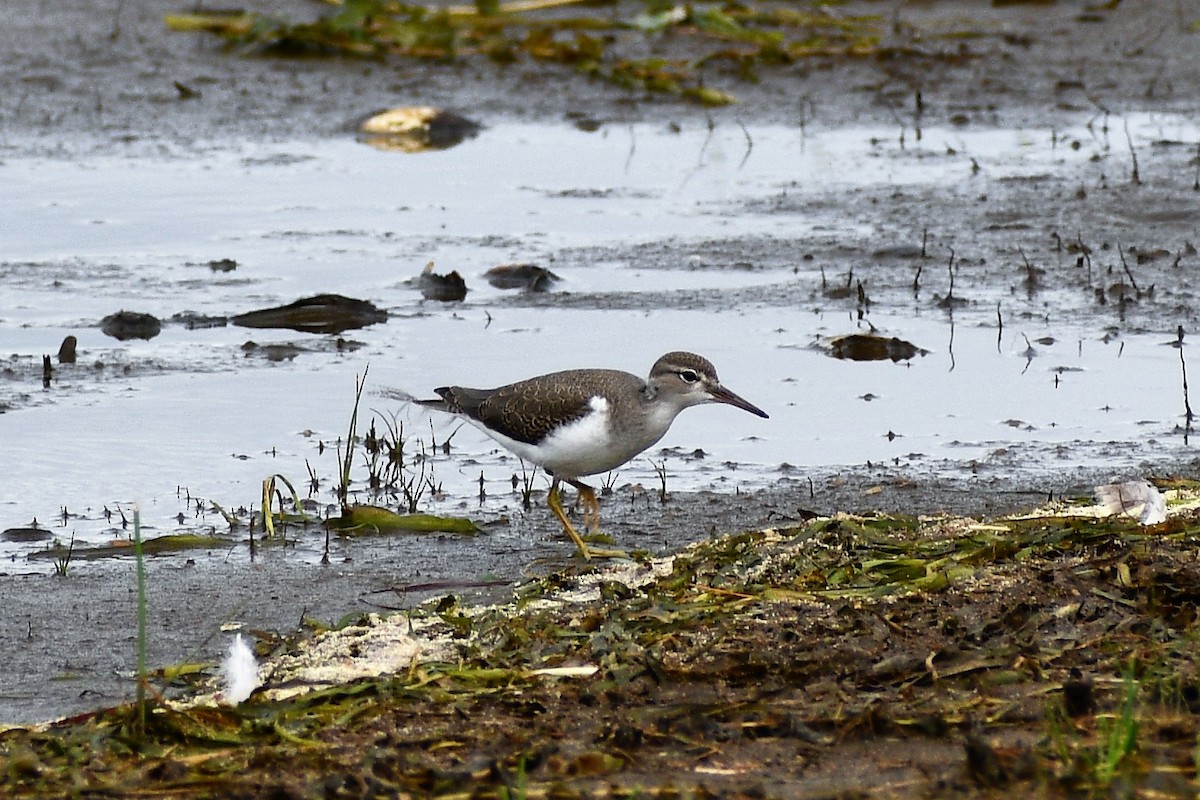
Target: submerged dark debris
322	313
126	325
881	656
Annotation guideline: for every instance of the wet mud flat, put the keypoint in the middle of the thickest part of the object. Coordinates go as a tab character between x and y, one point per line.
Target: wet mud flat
951	664
877	656
71	637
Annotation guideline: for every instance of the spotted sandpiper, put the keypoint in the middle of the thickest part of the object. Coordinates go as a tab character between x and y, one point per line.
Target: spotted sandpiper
586	421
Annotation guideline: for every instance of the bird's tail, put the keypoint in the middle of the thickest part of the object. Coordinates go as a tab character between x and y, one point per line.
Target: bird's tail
403	396
445	401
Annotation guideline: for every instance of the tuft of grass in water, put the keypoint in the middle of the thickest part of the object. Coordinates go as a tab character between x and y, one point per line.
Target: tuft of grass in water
526	485
62	563
387	476
139	559
272	498
660	469
347	457
414	485
610	480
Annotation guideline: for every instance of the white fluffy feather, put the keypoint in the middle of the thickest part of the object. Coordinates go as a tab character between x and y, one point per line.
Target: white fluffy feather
239	671
1134	498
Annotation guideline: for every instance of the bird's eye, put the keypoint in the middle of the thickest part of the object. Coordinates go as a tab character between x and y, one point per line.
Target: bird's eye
689	375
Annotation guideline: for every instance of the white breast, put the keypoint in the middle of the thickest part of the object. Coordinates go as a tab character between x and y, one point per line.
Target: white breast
588	446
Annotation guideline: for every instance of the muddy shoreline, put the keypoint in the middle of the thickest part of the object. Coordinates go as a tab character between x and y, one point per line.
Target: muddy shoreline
71	640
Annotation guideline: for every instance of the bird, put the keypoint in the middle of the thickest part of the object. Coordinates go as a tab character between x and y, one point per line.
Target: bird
582	422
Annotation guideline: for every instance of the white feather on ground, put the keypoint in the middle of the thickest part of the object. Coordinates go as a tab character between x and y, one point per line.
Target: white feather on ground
239	671
1130	496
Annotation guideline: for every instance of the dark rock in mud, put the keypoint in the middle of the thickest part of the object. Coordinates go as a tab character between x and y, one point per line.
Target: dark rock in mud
272	352
866	347
31	533
1079	695
125	325
527	277
322	313
66	351
450	288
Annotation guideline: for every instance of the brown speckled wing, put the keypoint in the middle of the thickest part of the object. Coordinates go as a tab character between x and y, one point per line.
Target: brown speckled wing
529	410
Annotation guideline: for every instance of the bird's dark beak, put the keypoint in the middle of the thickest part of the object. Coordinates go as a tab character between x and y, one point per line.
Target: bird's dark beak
723	395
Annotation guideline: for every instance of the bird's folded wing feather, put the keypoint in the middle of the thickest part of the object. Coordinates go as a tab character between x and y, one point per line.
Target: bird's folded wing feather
528	417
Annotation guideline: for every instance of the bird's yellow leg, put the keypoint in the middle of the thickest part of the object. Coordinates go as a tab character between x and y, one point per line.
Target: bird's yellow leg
591	510
591	506
554	500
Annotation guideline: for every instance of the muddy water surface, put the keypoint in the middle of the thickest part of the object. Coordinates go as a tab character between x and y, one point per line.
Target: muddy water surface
658	235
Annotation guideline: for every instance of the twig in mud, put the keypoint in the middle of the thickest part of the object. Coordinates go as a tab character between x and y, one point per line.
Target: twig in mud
950	346
806	106
712	127
949	301
1187	405
1085	256
115	33
1128	271
864	303
660	469
999	326
900	123
632	148
1104	113
1031	273
1030	354
314	483
749	144
1155	78
1135	177
1196	180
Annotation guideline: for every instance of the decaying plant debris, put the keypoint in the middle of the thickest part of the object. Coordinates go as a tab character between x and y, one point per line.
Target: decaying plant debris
740	38
885	656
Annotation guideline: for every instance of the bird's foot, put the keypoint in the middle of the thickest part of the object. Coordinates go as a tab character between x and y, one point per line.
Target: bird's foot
591	506
554	500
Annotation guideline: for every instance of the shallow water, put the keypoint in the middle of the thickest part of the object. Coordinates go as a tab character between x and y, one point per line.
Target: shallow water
631	219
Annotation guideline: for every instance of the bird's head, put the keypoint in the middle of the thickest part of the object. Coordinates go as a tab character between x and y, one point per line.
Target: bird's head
687	379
